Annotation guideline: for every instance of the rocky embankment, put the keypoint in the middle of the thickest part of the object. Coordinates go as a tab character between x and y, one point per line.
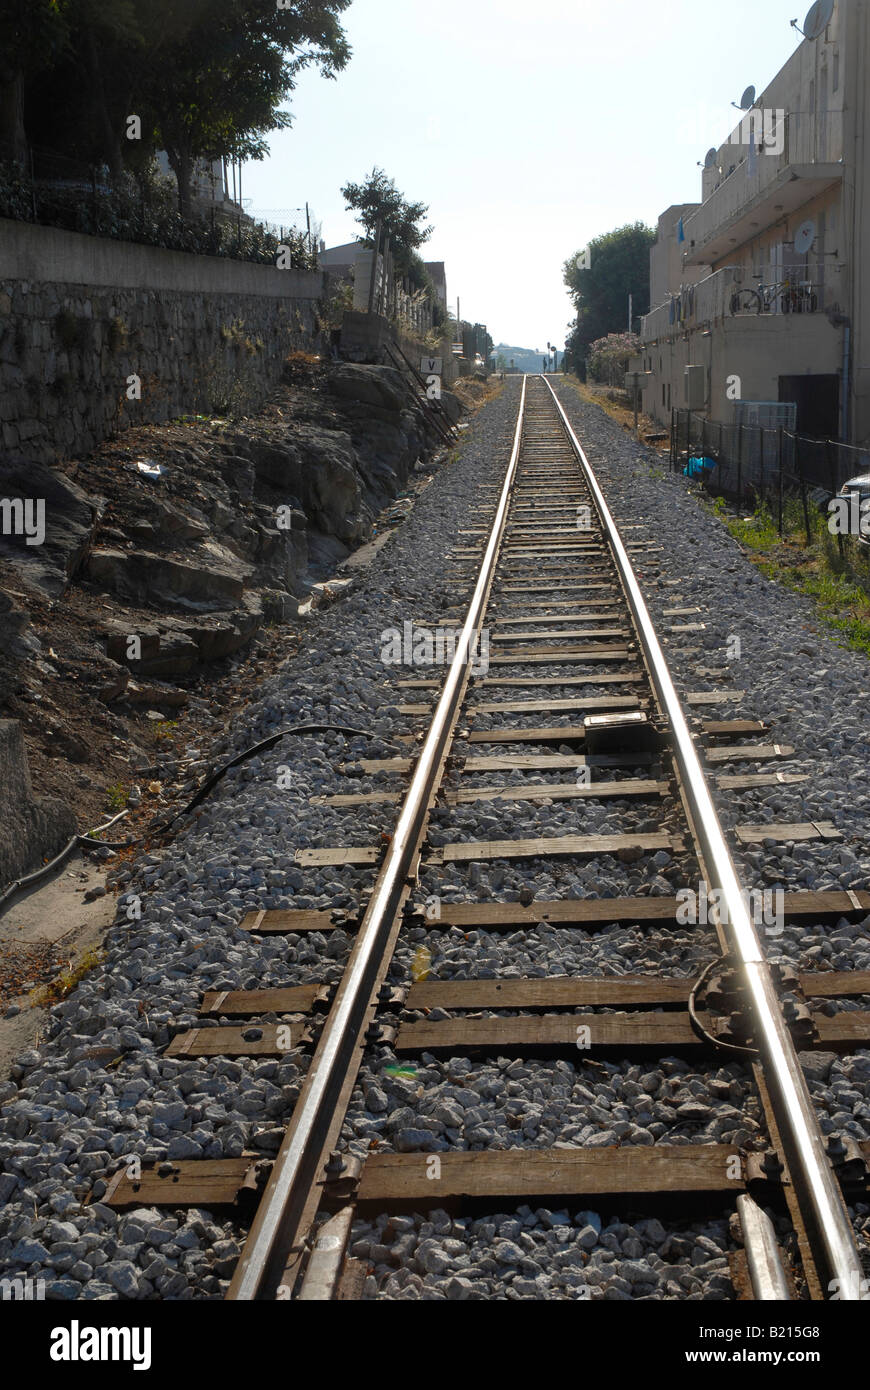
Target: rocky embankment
174	548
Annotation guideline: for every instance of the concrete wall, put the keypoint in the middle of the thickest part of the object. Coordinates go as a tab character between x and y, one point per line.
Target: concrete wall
759	351
823	89
79	316
856	214
667	275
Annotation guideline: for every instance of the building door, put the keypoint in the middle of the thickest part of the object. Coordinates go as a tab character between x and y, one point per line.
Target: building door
818	404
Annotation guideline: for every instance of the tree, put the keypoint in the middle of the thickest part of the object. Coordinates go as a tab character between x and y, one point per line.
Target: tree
620	267
219	91
378	200
207	78
32	33
609	358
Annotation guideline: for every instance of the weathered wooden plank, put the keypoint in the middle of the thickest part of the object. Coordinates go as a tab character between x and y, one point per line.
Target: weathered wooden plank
571	585
574	617
338	855
747	753
536	682
818	830
552	762
560	791
558	682
250	1003
360	799
501	639
582	912
537	608
761	779
523	1173
563	582
835	984
401	766
553	1032
199	1182
559	656
568	734
595	703
581	846
231	1042
844	1032
593	1033
554	992
287	920
713	697
733	728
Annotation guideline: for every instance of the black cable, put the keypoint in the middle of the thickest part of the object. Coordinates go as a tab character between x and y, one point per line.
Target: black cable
696	1023
211	782
87	841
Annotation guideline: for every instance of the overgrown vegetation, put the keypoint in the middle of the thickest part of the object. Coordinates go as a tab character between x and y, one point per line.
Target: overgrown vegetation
837	582
64	983
619	268
116	797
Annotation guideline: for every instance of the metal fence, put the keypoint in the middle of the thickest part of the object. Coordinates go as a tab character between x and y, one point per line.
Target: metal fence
57	191
753	464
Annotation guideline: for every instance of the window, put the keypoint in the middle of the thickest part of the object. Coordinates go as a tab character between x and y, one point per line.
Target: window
836	77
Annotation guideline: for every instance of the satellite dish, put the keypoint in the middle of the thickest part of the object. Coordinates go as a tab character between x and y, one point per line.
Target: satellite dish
710	158
818	19
747	101
804	237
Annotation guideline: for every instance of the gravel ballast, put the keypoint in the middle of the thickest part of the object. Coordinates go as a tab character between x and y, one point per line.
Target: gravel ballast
68	1121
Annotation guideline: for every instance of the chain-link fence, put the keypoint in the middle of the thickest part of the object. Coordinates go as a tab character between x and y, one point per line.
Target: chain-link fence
750	463
57	191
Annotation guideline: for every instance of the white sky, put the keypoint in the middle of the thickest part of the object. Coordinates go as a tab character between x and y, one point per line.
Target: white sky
528	128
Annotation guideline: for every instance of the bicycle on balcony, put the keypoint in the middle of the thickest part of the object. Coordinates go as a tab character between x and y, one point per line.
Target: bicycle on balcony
786	296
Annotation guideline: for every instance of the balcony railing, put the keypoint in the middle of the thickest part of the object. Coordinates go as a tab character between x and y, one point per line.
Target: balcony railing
790	296
802	139
704	302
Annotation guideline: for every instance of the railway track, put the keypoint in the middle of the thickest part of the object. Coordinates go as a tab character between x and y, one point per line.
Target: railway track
557	711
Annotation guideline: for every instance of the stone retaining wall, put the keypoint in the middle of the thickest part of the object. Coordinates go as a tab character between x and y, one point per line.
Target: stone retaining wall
81	316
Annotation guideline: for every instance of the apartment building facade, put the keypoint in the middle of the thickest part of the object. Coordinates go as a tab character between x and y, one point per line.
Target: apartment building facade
762	289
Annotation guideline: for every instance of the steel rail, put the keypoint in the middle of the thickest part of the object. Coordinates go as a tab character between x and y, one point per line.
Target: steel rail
766	1273
830	1233
298	1166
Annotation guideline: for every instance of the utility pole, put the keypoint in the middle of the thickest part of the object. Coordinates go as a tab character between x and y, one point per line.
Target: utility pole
630	311
377	252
